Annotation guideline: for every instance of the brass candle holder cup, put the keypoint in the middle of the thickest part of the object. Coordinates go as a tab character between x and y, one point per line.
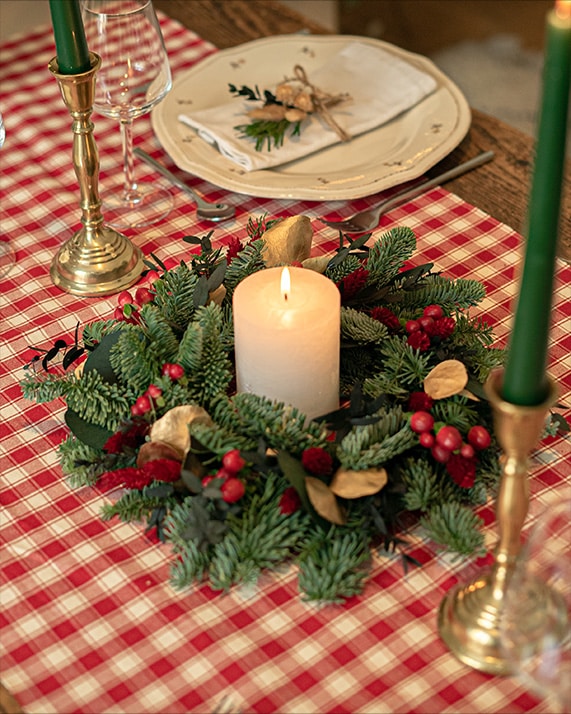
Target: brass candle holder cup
469	615
96	260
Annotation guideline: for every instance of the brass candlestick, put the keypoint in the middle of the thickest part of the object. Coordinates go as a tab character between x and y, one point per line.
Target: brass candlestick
469	615
96	260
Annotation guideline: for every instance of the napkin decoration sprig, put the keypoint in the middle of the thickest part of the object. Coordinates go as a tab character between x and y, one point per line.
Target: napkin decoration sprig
295	99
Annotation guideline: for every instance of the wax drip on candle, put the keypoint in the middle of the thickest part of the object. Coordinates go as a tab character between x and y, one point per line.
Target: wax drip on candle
285	283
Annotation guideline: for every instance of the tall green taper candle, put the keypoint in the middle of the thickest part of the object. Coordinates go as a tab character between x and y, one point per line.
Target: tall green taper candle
525	381
71	45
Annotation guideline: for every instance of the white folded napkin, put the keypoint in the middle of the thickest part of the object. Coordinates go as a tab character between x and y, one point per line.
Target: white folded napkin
381	86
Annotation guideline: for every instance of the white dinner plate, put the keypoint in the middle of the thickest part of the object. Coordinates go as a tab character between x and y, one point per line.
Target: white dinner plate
398	151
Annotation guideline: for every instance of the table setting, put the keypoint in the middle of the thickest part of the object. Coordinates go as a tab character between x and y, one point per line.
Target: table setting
261	454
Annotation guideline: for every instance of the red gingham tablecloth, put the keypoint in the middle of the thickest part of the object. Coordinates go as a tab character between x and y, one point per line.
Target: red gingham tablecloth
88	620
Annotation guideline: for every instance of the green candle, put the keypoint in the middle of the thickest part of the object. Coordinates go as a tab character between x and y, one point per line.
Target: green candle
525	379
71	45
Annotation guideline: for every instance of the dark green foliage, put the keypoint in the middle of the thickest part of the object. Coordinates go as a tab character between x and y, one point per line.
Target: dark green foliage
231	544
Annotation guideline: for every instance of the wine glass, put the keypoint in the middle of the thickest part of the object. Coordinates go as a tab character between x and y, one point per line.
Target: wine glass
7	259
536	621
134	76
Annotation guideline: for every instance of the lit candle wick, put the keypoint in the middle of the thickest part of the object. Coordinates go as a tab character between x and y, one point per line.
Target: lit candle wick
285	283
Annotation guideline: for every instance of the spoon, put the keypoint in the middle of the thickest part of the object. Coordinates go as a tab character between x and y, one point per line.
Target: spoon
204	209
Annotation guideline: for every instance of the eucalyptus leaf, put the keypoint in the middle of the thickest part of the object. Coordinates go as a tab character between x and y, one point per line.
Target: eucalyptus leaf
88	433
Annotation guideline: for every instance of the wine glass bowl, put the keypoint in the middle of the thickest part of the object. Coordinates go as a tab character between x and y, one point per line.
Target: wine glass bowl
134	76
536	620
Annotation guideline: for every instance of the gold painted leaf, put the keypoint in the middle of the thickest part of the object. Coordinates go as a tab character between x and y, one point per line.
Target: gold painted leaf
152	450
172	428
446	379
324	501
354	484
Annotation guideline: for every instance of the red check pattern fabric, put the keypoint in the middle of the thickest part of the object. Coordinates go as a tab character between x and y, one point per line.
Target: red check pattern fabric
89	622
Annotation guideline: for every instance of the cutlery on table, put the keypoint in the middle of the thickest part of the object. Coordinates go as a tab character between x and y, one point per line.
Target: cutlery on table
369	218
204	209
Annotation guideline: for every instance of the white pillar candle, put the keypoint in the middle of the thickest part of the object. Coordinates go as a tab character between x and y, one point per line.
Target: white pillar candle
287	338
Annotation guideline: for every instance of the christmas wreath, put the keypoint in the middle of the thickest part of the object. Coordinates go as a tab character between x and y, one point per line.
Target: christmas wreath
238	484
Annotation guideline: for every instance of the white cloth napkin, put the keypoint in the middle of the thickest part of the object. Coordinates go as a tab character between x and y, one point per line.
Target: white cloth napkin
381	86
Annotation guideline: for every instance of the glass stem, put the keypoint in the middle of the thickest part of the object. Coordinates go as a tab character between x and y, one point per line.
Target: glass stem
130	188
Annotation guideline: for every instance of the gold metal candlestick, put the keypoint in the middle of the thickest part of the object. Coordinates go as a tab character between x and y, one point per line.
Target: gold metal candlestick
96	260
469	615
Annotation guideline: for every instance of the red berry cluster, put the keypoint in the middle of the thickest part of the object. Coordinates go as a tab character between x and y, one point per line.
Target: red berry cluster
146	402
448	447
128	305
232	488
432	325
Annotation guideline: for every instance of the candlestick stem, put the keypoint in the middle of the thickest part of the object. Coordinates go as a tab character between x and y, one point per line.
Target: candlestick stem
96	260
469	615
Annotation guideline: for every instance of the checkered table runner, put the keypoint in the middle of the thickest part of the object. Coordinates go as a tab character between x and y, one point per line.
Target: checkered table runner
88	620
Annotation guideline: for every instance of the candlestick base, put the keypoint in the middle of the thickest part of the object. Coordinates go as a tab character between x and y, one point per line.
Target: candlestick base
469	616
97	260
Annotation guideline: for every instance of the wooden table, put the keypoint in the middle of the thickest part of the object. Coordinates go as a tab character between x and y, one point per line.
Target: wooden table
500	188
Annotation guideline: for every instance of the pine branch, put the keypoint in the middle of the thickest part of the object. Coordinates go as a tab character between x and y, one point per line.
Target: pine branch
422	485
360	450
456	528
451	295
359	327
388	254
160	334
209	369
43	387
283	427
133	362
456	411
341	270
94	332
175	296
81	464
332	566
261	538
248	261
134	506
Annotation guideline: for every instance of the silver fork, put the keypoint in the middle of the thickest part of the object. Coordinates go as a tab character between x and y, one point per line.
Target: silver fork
204	209
368	219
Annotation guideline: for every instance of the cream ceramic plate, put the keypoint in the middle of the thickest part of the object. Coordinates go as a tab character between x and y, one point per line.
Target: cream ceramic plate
398	151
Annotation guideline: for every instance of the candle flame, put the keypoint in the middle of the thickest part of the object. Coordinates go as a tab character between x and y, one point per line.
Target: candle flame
285	283
563	9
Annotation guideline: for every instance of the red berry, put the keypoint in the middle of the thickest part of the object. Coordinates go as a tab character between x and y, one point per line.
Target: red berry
118	313
434	311
426	439
467	451
479	437
440	454
232	490
233	462
143	296
172	371
152	275
426	322
153	391
421	422
143	404
449	437
223	474
206	480
412	326
124	298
